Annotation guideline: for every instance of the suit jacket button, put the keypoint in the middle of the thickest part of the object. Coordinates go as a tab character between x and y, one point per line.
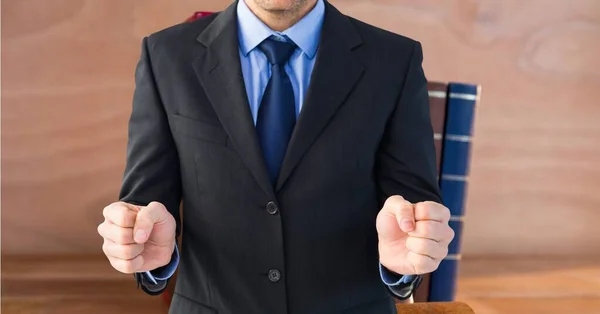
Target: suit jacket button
272	208
274	275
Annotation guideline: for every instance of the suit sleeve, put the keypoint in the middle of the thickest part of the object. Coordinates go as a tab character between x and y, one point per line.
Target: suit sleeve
406	157
152	167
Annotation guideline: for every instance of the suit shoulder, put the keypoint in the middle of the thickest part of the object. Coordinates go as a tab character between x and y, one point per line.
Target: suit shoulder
174	34
383	38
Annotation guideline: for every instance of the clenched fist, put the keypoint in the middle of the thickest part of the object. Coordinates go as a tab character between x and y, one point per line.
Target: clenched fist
413	238
137	238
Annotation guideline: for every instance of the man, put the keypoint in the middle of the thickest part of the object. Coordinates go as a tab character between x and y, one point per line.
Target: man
299	142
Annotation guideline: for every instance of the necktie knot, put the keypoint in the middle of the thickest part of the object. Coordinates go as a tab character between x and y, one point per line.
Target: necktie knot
277	52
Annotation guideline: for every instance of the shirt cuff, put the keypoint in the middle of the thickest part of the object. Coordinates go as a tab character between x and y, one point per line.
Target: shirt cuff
392	279
148	287
165	272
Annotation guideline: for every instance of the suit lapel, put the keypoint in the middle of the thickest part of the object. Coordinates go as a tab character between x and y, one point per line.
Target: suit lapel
336	71
219	71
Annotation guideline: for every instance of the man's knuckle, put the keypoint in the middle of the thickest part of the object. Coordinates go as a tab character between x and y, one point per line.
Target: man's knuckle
451	234
117	264
444	252
419	246
124	251
120	218
432	265
446	212
426	228
171	219
105	248
428	245
395	200
128	267
122	235
106	211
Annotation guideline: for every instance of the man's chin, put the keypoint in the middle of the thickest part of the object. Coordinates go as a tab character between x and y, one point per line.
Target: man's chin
279	6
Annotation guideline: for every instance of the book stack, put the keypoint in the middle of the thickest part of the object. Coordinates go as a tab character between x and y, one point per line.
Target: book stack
454	159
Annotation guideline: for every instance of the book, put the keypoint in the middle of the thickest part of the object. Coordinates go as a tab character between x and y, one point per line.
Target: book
456	150
437	109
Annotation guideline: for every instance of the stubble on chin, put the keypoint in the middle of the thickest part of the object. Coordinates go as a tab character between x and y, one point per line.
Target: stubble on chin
271	6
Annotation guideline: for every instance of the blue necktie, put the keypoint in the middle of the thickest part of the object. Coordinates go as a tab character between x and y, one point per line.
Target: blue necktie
277	112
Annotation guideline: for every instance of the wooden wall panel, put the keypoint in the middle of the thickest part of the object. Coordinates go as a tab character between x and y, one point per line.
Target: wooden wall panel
67	68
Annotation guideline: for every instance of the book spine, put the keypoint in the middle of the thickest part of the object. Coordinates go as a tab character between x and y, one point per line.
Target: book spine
460	112
437	109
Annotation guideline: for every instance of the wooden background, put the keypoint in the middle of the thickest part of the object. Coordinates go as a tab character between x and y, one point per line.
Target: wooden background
67	69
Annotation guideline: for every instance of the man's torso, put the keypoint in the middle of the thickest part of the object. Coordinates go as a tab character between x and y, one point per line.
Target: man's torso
321	235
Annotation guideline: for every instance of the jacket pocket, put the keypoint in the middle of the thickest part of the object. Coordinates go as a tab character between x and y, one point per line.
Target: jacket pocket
183	305
198	129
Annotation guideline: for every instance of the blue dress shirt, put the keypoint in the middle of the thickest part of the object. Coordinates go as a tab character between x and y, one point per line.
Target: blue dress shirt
255	67
256	71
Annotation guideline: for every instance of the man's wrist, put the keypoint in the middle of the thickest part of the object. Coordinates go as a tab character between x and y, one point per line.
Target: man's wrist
391	278
402	286
405	290
164	273
150	287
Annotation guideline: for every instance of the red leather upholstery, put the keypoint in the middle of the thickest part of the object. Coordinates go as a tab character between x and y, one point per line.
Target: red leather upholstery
197	15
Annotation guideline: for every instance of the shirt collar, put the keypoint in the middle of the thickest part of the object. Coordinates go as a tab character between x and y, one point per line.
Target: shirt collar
305	34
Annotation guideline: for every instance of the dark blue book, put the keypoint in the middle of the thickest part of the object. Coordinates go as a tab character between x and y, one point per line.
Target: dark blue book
456	150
